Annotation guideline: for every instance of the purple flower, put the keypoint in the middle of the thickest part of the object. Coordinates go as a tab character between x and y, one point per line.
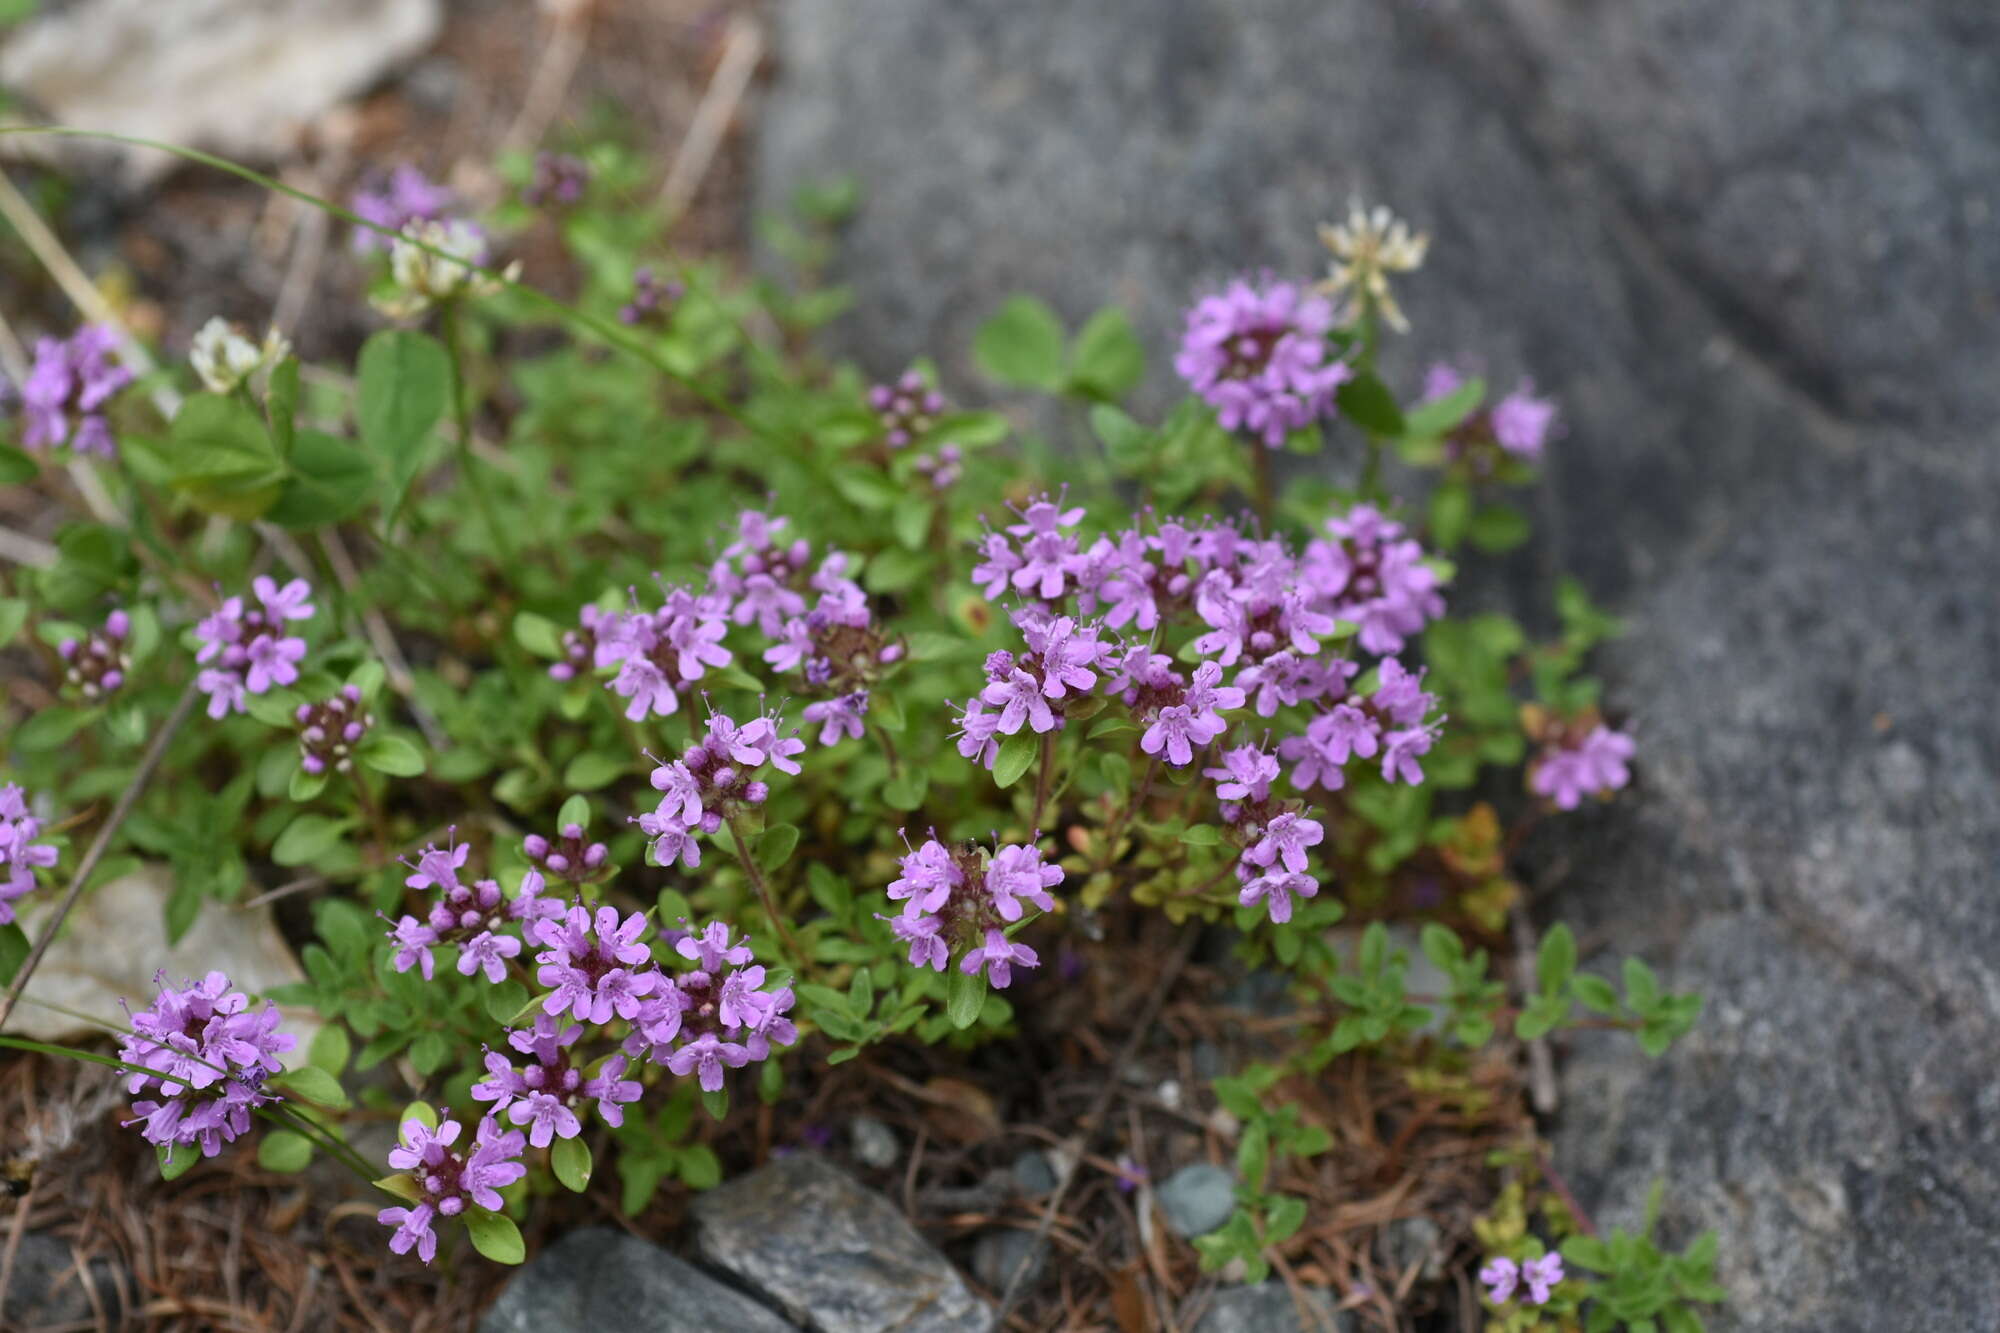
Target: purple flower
407	196
1371	574
651	298
1565	772
997	955
1500	1277
63	397
1019	698
1195	721
595	967
1541	1275
559	179
414	941
1522	422
1245	774
930	875
447	1180
840	718
203	1057
706	1055
907	408
489	952
96	666
1014	873
976	730
1066	655
20	855
1275	888
1258	355
1285	839
924	935
247	645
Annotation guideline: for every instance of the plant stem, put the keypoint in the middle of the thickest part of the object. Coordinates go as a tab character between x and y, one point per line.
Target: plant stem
461	408
763	888
1371	471
1044	775
889	752
370	810
1264	496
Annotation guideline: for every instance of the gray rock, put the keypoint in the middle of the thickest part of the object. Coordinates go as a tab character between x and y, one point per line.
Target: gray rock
1269	1308
46	1290
239	77
1754	250
1033	1173
1414	1241
1197	1198
997	1253
874	1142
832	1255
598	1278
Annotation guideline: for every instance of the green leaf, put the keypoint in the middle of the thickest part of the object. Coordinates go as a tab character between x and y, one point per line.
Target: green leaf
495	1236
1451	511
907	790
1017	756
332	479
301	786
51	727
1366	401
13	952
538	634
16	466
575	810
1021	345
404	387
1108	360
1428	420
421	1112
306	839
286	1151
402	1186
964	996
281	404
570	1160
429	1052
700	1168
13	615
1596	993
386	752
1202	835
1555	963
330	1049
313	1084
222	457
716	1103
173	1168
1498	528
775	845
591	770
912	520
1642	988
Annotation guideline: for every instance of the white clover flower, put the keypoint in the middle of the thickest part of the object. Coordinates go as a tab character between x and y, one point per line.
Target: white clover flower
1369	246
223	358
424	277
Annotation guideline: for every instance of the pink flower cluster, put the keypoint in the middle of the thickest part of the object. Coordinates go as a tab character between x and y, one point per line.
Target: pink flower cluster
20	855
1249	606
476	919
717	1015
330	729
906	408
203	1057
1572	766
64	395
660	654
447	1180
545	1093
1540	1276
1274	835
96	665
1258	354
711	781
248	645
1519	425
959	897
